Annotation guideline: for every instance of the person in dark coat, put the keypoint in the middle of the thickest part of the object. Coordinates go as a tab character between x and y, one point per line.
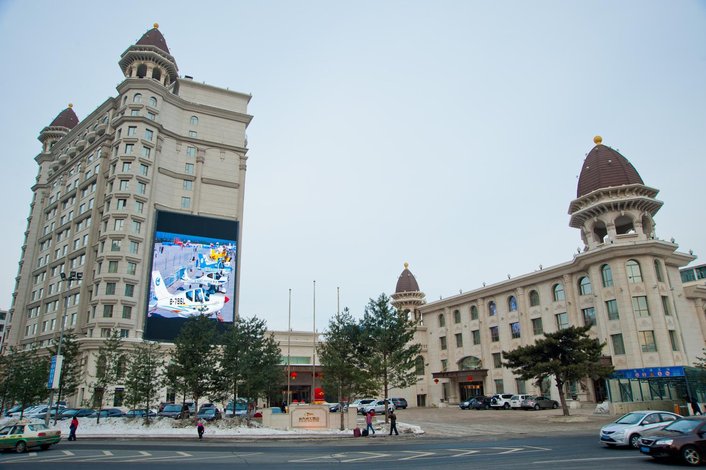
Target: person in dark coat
393	423
200	429
72	429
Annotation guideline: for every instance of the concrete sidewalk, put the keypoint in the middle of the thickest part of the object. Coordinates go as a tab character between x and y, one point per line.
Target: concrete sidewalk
453	421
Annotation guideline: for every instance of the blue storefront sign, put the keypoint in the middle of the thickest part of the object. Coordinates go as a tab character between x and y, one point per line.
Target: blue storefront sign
649	373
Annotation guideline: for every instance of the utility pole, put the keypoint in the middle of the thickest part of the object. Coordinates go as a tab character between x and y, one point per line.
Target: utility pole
73	276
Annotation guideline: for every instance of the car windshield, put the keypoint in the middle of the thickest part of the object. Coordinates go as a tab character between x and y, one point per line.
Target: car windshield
208	411
630	418
172	408
683	425
37	427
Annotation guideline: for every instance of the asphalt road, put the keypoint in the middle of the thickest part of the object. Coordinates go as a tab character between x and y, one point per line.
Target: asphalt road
578	451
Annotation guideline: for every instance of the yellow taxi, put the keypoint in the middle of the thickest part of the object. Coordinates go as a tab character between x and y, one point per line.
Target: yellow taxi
22	435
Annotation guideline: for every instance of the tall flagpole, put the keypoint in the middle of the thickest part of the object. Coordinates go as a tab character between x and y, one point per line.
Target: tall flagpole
313	362
289	351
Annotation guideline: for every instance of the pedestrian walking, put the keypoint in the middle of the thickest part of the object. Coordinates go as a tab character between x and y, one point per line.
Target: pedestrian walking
200	429
72	429
393	423
369	422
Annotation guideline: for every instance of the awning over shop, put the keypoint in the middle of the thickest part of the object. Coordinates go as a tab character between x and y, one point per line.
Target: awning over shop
468	375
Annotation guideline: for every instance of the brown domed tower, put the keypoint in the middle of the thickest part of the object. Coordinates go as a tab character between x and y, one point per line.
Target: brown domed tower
407	297
150	58
59	127
612	204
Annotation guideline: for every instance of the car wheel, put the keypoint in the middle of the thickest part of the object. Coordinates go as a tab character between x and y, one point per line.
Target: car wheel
691	455
487	407
21	447
634	440
536	407
555	406
506	406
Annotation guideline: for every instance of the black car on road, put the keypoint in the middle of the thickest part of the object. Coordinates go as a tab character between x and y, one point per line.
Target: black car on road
684	439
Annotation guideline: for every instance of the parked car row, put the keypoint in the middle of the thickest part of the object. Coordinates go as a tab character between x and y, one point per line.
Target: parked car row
508	401
378	406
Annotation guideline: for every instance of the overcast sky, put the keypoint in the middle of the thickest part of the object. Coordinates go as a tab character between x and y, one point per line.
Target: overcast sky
448	134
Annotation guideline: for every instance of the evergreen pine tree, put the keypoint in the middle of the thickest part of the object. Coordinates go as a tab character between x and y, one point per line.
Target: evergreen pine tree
194	359
567	355
389	352
144	377
341	354
109	366
250	360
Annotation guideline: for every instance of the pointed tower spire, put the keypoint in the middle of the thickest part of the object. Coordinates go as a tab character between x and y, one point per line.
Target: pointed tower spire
59	127
150	58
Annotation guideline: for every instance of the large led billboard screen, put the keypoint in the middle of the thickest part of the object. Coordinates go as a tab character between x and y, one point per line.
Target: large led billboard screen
193	273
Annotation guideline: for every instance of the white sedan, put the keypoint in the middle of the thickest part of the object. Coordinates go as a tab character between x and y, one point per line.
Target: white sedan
626	430
379	407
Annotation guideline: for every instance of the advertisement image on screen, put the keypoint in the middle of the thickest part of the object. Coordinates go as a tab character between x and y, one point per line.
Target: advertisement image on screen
192	275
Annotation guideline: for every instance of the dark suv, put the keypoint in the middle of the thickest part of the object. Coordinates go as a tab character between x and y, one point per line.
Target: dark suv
400	403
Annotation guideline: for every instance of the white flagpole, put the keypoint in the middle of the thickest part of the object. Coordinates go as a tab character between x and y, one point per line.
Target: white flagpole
313	362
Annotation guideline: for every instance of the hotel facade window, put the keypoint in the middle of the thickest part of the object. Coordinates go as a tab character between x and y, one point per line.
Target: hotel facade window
534	298
585	286
634	272
558	291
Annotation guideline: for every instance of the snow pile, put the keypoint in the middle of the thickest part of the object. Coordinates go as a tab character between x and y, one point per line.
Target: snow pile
165	427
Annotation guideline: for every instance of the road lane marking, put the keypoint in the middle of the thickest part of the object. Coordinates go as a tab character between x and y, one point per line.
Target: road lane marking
371	455
185	456
32	454
463	452
67	452
419	454
107	452
312	459
508	450
145	453
588	459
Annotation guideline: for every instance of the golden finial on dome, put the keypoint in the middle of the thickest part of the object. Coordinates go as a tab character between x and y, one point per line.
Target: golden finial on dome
71	105
406	265
597	140
156	25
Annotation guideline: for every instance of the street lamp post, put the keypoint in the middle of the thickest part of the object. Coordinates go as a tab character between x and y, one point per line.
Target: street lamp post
73	276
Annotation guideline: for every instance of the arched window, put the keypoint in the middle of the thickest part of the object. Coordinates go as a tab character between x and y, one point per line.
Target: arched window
634	273
606	276
457	316
194	121
492	310
141	71
512	303
442	320
599	231
624	225
137	98
559	295
100	366
474	312
121	367
658	271
156	74
419	365
534	298
153	101
585	286
470	363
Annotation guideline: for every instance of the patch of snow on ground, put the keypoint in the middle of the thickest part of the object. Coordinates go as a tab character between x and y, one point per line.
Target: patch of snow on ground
122	427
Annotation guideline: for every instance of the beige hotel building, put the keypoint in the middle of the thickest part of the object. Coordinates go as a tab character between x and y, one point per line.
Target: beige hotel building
625	284
163	143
